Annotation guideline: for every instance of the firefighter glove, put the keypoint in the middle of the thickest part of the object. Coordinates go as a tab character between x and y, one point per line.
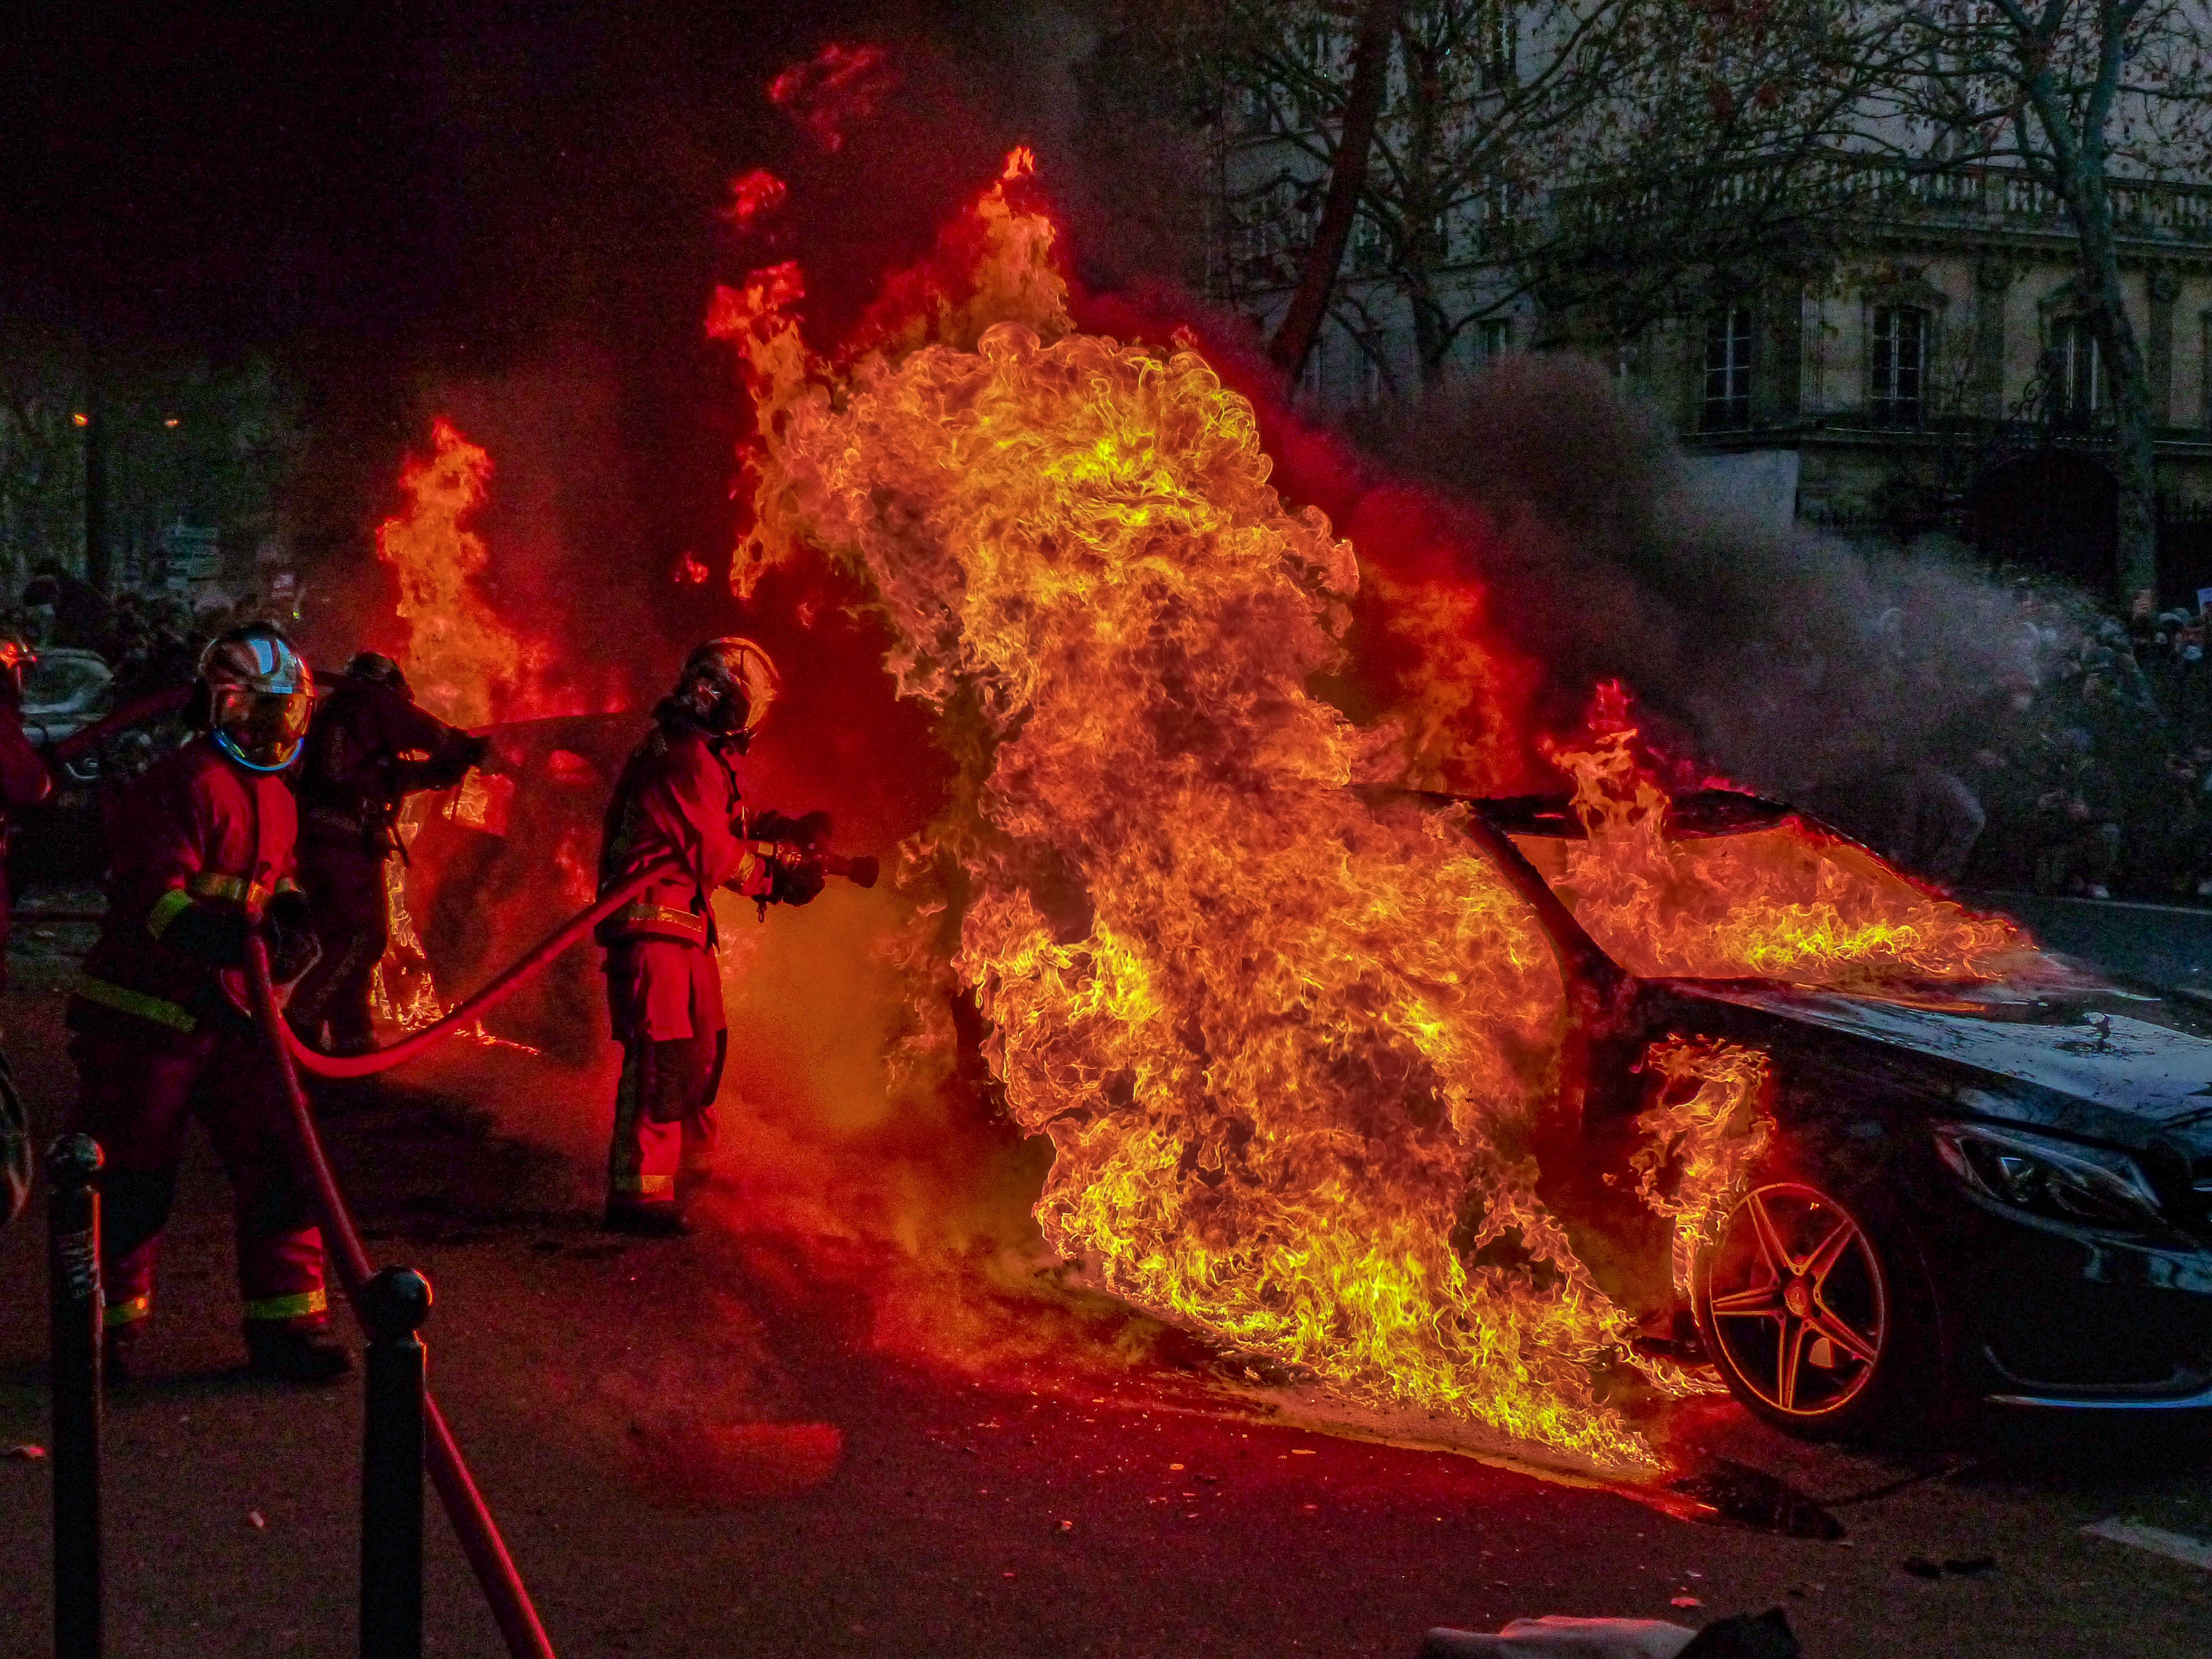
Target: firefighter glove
292	945
217	937
796	883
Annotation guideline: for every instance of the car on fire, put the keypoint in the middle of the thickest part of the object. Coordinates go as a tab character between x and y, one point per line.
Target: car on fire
1975	1188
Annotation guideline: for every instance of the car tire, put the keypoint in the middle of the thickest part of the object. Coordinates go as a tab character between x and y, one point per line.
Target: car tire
1817	1312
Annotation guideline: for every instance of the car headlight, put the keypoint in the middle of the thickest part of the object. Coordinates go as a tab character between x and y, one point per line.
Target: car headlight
2088	1185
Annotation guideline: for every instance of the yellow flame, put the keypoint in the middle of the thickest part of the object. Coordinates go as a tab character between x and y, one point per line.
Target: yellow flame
1285	1047
460	656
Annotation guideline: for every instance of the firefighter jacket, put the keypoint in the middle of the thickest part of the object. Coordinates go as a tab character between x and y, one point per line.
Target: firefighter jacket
368	749
24	781
678	798
196	840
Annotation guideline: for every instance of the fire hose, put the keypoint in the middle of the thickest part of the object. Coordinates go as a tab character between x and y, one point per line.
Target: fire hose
465	1505
512	980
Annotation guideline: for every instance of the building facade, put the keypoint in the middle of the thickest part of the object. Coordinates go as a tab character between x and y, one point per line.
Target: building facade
1940	377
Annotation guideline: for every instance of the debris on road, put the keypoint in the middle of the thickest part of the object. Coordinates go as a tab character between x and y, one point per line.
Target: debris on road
2174	1545
255	1519
1743	1636
1555	1636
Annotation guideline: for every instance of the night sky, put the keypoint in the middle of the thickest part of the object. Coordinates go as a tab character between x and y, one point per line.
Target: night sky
395	201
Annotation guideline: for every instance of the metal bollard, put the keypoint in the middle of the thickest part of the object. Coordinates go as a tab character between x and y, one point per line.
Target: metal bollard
75	1307
394	1303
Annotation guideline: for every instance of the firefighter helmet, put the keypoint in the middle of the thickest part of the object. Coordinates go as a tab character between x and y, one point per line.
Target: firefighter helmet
259	695
728	685
375	665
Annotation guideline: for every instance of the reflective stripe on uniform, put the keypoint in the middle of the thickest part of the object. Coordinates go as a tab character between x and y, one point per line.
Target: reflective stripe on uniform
250	895
642	914
160	1010
644	1186
126	1313
288	1307
166	909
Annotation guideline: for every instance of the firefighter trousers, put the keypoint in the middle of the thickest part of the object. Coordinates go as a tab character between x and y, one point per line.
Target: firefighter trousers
665	999
137	1086
344	887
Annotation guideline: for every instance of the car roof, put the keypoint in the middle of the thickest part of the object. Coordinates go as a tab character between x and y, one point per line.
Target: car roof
1699	812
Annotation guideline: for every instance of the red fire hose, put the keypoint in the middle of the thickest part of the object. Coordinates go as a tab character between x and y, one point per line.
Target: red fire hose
465	1505
132	713
482	1002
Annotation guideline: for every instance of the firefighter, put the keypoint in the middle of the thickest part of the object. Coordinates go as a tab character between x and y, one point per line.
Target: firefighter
24	781
368	748
678	798
200	857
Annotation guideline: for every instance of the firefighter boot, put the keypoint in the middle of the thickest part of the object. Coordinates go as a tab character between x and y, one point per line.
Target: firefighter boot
285	1355
119	1358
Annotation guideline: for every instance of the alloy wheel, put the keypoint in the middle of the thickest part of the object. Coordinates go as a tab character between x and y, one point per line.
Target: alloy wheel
1798	1301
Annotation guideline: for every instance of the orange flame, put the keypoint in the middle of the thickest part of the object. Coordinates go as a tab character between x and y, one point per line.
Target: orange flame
837	87
1791	903
461	658
1021	163
757	195
1284	1045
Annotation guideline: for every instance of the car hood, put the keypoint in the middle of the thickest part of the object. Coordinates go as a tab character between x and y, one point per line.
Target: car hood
2102	1076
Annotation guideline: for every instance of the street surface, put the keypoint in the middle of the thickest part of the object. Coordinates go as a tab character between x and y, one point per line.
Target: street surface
788	1437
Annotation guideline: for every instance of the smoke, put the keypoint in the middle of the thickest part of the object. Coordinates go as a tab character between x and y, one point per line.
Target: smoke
1794	663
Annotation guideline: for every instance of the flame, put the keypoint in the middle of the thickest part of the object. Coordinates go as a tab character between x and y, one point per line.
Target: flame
1793	902
757	195
1710	1124
1288	1048
689	569
460	657
1021	163
837	87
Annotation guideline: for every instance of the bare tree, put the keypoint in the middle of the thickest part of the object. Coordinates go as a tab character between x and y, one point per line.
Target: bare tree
2087	98
1605	156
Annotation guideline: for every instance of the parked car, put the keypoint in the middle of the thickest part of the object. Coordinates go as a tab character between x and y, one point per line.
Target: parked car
66	690
1996	1188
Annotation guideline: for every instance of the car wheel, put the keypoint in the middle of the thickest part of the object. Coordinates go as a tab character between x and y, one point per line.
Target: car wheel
1810	1312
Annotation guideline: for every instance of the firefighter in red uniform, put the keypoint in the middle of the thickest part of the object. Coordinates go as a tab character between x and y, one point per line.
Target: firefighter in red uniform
200	856
678	799
24	781
369	747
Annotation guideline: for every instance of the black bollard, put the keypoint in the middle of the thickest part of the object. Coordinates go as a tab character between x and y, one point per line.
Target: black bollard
394	1303
75	1303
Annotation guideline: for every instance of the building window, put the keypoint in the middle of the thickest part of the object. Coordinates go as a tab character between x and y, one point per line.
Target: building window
1367	249
2078	358
1493	337
1375	381
1500	36
1727	370
1898	373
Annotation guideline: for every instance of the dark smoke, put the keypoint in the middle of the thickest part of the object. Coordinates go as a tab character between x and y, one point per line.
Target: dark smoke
1798	664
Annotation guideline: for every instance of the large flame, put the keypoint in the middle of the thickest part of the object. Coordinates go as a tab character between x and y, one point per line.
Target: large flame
1288	1049
460	655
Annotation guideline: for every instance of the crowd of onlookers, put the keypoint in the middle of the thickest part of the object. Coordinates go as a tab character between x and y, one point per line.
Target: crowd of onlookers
2093	776
150	641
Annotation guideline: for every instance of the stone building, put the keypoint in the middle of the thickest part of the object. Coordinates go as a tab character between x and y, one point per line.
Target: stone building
1940	378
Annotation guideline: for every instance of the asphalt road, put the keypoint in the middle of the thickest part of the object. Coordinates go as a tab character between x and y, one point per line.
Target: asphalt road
782	1438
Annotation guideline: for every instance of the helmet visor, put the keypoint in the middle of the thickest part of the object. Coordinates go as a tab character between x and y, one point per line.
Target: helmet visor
261	728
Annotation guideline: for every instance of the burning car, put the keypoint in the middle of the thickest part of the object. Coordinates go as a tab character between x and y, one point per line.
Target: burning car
1991	1179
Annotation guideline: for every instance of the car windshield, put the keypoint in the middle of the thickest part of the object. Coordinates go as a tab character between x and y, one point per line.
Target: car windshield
1783	900
66	680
